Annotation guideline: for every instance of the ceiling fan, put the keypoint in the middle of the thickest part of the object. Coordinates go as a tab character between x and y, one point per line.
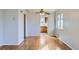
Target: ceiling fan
42	11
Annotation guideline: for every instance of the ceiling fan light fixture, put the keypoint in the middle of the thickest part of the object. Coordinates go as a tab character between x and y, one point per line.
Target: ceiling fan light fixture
42	13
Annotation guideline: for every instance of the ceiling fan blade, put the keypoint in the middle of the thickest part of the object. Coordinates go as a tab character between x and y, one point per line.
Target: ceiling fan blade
47	13
42	11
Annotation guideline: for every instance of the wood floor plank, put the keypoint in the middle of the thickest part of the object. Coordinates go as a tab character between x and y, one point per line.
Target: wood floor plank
42	42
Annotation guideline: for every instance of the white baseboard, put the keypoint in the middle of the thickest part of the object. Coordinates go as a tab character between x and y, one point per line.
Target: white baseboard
65	43
20	42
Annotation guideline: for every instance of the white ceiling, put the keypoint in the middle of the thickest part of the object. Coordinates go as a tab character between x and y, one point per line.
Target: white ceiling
38	10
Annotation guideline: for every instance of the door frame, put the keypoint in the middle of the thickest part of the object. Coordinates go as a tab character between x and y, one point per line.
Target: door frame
24	26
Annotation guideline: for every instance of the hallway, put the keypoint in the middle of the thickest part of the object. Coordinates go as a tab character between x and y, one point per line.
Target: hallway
44	42
60	25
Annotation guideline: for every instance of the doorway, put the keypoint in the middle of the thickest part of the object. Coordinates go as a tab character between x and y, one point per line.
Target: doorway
44	24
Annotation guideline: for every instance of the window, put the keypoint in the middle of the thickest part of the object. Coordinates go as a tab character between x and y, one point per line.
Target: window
42	21
60	20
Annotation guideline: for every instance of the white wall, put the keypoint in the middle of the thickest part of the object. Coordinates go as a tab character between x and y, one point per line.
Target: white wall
10	21
51	24
1	27
70	34
11	27
33	24
20	26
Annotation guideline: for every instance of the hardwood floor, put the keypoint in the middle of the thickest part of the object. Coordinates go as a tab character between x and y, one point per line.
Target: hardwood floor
42	42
